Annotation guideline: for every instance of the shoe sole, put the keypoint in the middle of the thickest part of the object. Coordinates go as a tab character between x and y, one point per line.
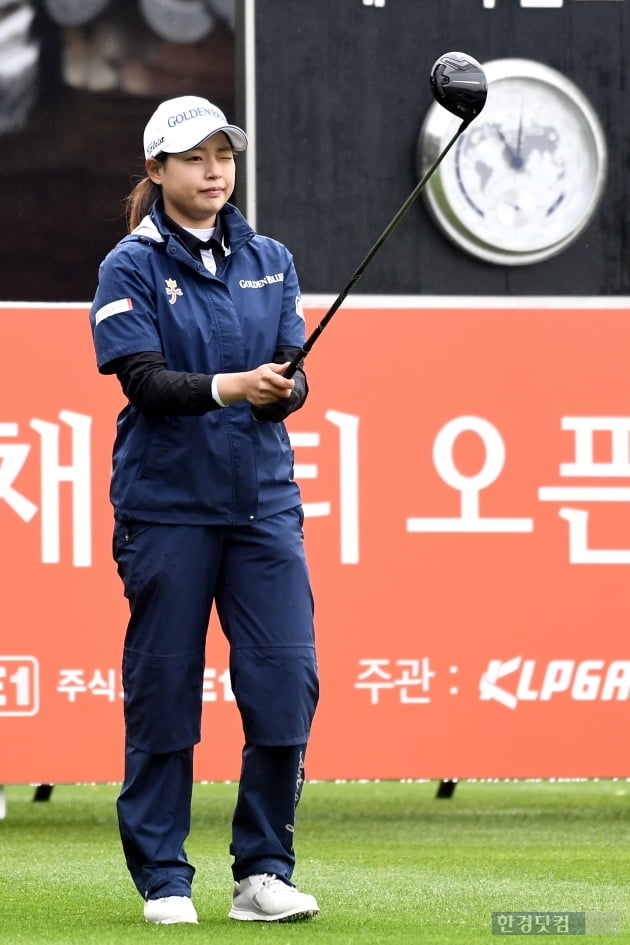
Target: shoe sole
174	921
302	916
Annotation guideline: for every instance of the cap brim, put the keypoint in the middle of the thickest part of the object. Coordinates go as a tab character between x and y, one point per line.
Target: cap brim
235	135
238	138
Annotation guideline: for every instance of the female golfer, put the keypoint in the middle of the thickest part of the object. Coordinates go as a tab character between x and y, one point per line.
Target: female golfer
198	315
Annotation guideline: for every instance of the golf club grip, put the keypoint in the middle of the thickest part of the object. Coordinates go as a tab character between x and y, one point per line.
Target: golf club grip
298	358
295	363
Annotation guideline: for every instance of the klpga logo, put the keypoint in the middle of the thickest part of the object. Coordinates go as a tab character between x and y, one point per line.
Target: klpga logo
518	680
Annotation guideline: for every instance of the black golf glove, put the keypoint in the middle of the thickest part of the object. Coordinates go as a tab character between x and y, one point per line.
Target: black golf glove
277	412
280	410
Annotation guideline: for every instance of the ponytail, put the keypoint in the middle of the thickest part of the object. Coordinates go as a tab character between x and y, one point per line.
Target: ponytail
141	199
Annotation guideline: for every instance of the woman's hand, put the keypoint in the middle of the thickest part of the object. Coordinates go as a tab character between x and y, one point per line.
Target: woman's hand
264	385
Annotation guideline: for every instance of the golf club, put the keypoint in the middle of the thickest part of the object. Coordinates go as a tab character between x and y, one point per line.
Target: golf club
459	85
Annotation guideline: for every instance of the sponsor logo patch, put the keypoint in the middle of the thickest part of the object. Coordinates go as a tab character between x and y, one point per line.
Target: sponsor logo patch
172	290
261	283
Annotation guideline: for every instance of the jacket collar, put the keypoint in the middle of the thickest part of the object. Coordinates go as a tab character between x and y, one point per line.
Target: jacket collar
192	243
235	228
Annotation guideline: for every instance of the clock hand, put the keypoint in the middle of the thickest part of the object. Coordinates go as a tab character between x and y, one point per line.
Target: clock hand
505	144
515	159
518	161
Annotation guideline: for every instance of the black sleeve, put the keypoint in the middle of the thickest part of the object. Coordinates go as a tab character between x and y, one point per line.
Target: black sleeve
153	389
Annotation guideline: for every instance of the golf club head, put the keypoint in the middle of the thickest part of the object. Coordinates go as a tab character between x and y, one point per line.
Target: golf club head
459	85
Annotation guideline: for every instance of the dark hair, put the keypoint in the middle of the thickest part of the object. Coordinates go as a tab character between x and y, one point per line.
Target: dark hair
142	197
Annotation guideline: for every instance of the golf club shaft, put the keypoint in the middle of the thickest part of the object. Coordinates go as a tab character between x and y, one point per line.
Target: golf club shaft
387	232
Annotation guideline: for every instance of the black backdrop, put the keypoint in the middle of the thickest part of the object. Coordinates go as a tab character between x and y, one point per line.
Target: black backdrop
341	93
65	171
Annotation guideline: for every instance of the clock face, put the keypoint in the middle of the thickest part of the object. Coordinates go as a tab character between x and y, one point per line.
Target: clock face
525	178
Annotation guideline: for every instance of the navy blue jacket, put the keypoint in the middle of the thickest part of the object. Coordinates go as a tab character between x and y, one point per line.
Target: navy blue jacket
153	295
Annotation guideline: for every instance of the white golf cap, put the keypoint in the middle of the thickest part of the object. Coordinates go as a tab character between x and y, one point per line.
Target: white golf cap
180	124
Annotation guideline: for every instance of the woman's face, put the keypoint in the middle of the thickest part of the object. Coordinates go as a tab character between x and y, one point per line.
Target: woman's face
197	183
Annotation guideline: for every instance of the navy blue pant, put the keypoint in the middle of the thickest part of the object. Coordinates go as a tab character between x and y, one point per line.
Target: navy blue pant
257	577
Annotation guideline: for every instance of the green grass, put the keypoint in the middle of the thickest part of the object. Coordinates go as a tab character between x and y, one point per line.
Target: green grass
389	863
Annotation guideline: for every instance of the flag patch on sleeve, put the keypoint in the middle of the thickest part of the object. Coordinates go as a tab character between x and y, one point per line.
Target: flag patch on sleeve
113	308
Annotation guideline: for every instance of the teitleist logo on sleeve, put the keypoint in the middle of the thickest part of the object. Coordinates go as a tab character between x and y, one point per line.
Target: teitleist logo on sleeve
172	290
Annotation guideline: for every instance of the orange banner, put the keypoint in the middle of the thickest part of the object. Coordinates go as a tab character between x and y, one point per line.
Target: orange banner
465	470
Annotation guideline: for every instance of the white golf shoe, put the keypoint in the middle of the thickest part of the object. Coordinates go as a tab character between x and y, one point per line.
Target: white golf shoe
265	898
170	910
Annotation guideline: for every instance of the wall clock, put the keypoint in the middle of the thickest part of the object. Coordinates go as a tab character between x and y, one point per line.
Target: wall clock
524	180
